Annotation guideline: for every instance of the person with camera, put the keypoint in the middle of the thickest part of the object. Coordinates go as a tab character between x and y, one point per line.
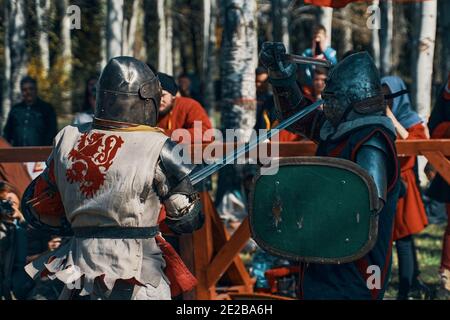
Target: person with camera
14	283
320	50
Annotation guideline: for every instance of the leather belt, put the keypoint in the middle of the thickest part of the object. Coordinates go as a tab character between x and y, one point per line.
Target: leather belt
116	232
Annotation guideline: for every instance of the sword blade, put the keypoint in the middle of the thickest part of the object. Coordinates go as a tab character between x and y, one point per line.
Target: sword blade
208	170
307	60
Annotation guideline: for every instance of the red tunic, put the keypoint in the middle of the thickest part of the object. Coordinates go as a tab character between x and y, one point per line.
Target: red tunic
411	217
182	116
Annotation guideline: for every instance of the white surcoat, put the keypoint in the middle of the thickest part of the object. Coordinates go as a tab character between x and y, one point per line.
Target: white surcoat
105	179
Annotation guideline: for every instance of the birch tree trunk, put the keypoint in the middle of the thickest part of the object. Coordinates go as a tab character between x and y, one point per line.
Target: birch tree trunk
131	30
165	36
17	47
66	43
114	26
347	41
445	22
238	64
6	97
375	40
103	32
325	18
125	48
280	22
387	27
238	105
142	48
424	64
209	53
42	13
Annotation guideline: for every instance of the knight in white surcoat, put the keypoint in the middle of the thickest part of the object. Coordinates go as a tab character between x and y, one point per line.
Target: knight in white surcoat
104	187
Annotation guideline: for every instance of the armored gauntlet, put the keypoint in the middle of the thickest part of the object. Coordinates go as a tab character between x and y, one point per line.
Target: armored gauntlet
288	97
174	187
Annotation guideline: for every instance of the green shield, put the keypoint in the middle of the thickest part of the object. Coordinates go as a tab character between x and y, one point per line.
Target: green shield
314	209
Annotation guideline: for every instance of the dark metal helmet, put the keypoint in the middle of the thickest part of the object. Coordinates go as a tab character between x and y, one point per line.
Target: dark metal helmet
353	84
128	91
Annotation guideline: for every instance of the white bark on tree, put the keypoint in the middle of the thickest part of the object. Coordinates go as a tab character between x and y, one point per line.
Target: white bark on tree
17	47
42	13
142	49
103	33
66	43
169	37
132	30
114	26
238	63
424	64
209	53
386	35
238	103
325	18
375	40
161	35
280	22
6	97
347	41
66	40
165	36
445	23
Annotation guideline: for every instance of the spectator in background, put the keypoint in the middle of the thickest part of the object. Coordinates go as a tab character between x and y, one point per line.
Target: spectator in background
186	89
177	112
87	110
410	217
439	190
320	76
319	50
31	122
14	282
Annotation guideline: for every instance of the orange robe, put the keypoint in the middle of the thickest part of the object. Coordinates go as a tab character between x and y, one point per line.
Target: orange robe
411	217
182	116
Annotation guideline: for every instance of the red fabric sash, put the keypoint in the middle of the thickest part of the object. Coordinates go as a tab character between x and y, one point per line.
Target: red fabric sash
181	279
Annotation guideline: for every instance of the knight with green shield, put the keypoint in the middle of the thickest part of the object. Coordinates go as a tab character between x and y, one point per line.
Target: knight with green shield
332	213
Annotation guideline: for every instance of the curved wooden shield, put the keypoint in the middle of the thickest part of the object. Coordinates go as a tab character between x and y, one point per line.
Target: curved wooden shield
314	209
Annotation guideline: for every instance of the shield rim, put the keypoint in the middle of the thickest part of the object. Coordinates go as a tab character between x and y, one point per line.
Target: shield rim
33	218
323	161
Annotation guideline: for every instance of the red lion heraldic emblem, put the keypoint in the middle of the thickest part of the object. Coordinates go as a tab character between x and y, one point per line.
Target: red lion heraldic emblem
92	157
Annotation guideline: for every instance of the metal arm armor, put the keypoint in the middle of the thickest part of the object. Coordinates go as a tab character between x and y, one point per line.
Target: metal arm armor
373	157
176	191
